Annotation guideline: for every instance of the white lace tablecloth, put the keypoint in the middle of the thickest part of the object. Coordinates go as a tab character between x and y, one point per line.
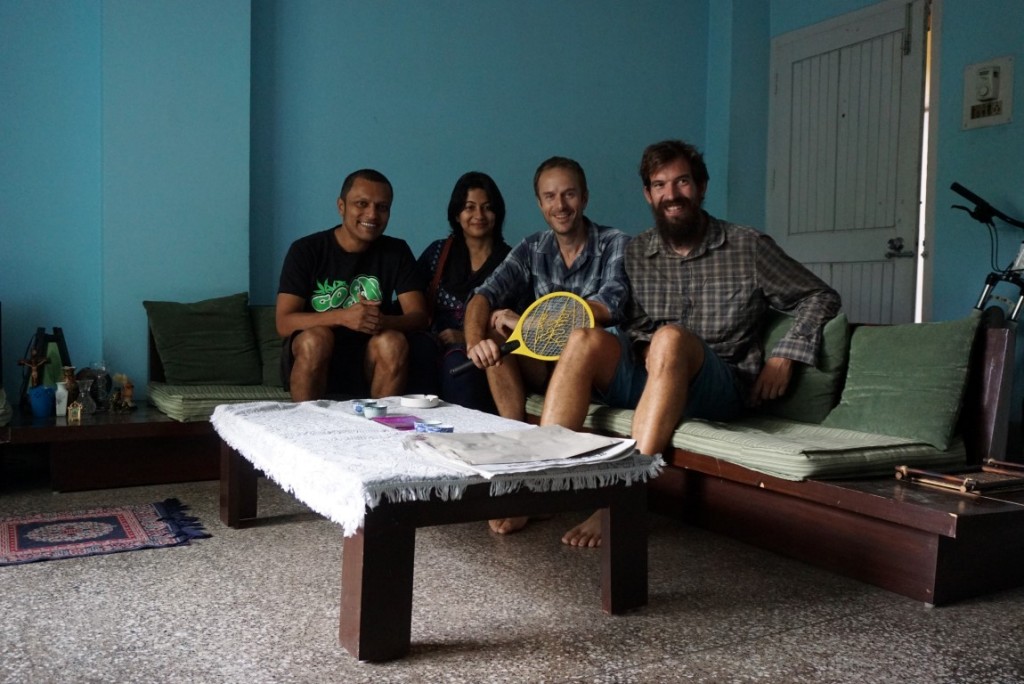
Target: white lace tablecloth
340	464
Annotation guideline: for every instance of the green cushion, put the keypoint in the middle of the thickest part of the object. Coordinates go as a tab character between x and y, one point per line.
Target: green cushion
187	403
907	380
783	448
206	343
813	390
264	325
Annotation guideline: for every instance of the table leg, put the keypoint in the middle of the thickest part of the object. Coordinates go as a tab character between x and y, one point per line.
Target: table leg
237	487
624	551
376	588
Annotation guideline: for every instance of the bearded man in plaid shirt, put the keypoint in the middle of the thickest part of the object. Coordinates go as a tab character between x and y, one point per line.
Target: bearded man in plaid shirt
691	346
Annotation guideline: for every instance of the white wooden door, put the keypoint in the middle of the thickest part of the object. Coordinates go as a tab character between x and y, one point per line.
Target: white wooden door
845	154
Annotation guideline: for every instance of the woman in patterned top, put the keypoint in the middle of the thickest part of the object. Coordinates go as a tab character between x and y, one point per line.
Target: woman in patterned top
454	267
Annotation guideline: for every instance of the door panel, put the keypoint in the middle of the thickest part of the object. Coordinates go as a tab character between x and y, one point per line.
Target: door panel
844	154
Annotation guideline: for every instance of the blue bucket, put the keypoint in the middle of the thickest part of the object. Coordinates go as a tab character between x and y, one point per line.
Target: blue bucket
43	400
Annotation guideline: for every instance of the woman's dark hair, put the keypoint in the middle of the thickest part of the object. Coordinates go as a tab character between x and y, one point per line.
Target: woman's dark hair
476	180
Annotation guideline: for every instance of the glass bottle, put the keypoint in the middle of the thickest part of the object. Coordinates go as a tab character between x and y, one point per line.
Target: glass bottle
101	384
84	397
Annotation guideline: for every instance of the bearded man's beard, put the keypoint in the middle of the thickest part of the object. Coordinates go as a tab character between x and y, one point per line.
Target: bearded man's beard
682	227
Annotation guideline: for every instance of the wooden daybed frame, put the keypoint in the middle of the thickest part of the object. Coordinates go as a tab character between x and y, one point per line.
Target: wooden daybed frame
932	545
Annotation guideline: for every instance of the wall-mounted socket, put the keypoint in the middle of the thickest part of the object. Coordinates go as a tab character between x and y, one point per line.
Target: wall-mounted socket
988	93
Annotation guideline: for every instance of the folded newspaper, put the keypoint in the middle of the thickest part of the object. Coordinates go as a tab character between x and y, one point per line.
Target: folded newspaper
519	451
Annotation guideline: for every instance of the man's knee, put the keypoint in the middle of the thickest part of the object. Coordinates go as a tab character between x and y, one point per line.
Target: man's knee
313	345
388	348
589	344
591	357
674	344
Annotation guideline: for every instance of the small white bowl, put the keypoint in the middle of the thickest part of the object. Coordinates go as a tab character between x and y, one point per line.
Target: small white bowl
420	400
433	426
358	404
374	410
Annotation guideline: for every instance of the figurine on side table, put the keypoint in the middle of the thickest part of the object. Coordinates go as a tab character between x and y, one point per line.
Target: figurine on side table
34	362
122	400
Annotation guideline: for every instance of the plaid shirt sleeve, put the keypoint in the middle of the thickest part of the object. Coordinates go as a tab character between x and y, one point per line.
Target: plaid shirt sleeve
507	285
637	323
613	290
789	286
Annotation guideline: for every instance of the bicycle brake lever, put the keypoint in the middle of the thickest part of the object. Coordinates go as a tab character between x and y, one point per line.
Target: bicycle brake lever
983	212
979	214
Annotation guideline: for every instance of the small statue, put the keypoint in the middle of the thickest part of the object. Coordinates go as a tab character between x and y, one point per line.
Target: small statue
71	383
75	413
122	400
34	363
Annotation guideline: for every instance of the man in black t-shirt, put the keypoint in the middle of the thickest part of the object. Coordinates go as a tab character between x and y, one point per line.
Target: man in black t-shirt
331	298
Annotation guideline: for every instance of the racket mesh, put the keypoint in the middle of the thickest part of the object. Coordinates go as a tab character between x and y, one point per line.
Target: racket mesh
545	329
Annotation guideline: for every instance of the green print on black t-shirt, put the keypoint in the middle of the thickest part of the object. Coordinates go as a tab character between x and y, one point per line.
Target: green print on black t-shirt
340	295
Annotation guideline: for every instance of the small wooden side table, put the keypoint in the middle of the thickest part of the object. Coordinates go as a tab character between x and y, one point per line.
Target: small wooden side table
107	449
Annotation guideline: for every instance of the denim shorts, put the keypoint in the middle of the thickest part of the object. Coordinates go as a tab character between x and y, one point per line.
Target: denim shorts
714	394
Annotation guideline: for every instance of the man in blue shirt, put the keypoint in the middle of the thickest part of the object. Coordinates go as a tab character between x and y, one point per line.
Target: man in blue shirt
575	255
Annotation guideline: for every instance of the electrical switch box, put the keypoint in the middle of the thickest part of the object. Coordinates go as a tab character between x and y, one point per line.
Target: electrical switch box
988	93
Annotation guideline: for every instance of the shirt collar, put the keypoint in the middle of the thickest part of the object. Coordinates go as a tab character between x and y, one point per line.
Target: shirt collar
548	242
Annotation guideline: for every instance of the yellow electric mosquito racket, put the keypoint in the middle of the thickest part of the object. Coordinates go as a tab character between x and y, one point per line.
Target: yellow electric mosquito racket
543	330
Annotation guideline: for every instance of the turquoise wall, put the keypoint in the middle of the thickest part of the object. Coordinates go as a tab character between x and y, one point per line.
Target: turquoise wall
175	169
50	255
172	149
186	97
737	109
989	161
125	168
456	86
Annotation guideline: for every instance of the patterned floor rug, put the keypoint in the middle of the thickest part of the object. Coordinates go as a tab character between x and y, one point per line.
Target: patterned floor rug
49	536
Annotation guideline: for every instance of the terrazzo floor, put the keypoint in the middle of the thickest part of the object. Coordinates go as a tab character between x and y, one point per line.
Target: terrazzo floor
261	605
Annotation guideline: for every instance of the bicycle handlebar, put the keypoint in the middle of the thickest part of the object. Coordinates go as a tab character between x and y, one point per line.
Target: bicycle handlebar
967	194
983	211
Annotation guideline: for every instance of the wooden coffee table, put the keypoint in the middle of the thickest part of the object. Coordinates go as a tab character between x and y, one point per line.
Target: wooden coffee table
378	558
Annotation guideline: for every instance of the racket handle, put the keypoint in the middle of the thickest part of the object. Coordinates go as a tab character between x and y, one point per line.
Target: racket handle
461	368
509	347
506	348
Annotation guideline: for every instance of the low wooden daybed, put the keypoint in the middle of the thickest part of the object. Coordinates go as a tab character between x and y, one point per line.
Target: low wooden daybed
848	516
933	545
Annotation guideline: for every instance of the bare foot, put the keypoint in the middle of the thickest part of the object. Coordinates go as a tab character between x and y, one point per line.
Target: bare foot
507	525
587	533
